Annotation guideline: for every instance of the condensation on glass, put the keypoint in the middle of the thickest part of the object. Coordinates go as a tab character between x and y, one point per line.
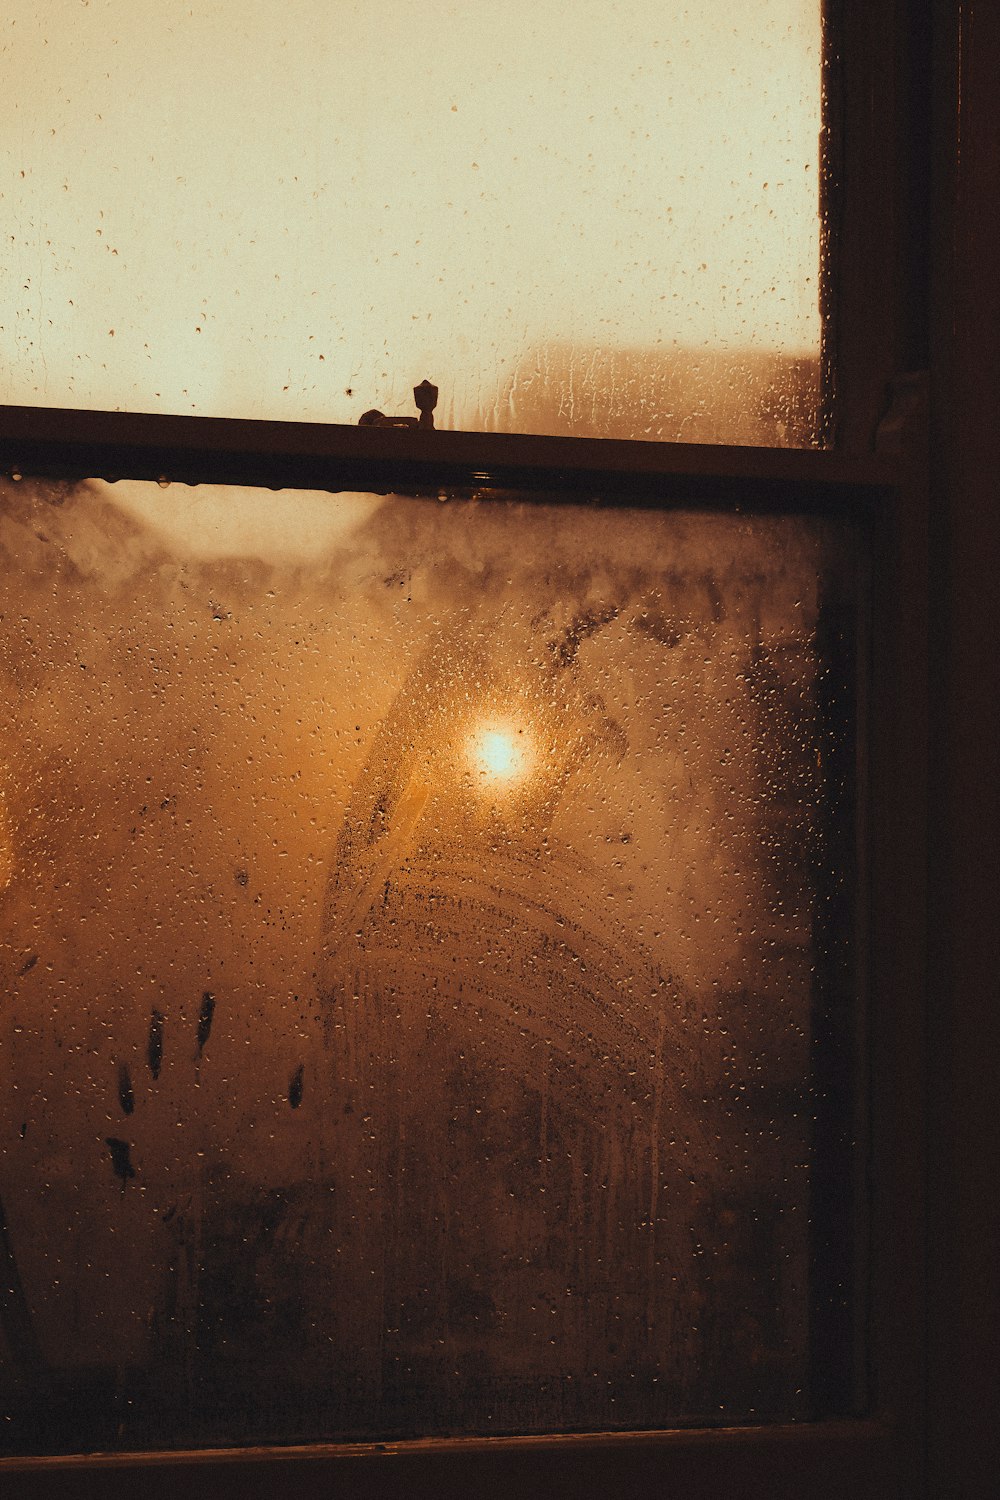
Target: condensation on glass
416	952
600	220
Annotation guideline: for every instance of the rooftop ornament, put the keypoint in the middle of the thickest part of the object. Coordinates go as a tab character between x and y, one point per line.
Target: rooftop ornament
425	399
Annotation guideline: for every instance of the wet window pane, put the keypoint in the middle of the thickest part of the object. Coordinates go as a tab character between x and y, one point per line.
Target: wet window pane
426	953
600	220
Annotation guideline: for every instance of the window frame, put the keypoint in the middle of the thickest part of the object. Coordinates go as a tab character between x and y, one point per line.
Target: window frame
876	466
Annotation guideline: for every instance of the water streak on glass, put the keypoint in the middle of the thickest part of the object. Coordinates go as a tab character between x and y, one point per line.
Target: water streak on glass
601	221
411	934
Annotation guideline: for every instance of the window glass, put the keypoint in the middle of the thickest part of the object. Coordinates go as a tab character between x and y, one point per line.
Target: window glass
598	219
420	953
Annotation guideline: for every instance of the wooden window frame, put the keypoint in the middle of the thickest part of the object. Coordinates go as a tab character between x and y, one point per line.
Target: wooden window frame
876	467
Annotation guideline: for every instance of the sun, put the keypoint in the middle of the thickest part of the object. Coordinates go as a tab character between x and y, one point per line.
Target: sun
499	754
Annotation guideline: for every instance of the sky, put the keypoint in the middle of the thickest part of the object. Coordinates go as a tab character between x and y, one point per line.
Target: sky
299	211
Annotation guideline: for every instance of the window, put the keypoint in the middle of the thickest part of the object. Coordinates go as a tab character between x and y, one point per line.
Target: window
826	510
465	1069
606	229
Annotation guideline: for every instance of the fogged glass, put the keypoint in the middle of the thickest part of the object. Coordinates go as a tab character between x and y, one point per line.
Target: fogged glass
416	955
594	219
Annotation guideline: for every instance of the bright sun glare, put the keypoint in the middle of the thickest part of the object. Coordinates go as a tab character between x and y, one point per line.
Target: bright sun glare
499	755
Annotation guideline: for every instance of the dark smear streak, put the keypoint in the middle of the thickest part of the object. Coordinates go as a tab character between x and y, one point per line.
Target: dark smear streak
126	1098
205	1019
295	1087
584	626
154	1053
715	600
28	965
120	1161
659	628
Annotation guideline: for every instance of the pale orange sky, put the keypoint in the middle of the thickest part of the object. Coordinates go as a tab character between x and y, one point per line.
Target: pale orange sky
250	209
